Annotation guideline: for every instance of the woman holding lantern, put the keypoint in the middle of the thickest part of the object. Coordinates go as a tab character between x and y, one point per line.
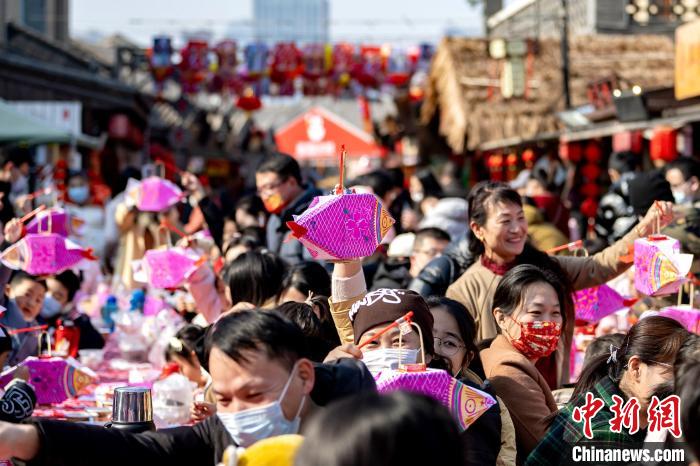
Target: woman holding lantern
498	236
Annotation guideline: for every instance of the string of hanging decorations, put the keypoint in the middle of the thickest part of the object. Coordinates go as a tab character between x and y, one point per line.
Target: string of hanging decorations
286	69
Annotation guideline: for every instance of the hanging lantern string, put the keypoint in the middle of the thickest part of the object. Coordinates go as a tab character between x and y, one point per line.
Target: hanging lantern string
166	224
341	187
397	322
33	213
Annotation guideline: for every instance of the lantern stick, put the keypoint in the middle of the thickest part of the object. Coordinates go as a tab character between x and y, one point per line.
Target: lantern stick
570	246
397	322
166	224
37	328
38	193
32	213
343	153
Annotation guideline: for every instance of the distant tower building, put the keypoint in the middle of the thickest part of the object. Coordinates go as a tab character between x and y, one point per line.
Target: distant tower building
48	17
300	21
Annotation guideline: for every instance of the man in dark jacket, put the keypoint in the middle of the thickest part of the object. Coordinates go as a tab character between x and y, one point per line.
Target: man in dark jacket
442	271
615	215
279	184
259	373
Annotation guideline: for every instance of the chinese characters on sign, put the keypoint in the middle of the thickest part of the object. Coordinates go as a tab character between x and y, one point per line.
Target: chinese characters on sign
662	415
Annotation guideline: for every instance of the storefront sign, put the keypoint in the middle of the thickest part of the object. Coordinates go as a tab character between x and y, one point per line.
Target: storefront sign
688	60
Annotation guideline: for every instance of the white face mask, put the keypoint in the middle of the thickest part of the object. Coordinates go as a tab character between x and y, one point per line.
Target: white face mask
252	425
388	359
680	197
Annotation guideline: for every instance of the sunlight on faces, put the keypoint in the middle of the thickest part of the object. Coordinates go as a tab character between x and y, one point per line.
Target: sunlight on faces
446	329
57	290
539	302
29	297
258	381
427	250
688	187
505	232
390	339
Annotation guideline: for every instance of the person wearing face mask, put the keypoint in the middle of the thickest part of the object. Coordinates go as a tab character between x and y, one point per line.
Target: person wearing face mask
92	233
498	237
59	308
263	385
370	315
528	308
279	184
642	364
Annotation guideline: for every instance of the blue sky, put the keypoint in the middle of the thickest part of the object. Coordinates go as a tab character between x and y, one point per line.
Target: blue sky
398	21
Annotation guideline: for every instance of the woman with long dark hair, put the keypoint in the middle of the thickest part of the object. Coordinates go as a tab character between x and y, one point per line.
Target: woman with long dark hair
498	236
643	363
528	308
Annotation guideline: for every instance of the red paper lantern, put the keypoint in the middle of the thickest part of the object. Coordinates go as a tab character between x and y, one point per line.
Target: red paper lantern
590	190
512	160
590	172
628	141
570	151
663	145
495	164
593	154
589	207
528	157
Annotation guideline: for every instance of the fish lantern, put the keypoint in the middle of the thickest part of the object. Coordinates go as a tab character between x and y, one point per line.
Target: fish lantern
686	315
316	66
45	254
399	68
170	268
368	72
660	268
153	194
54	379
592	304
55	220
255	61
226	78
285	67
161	60
466	404
343	64
194	65
342	226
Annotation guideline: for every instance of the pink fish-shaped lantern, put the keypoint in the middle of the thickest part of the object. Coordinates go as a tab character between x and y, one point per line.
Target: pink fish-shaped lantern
660	268
54	379
464	402
153	194
170	268
343	225
592	304
45	254
55	220
686	315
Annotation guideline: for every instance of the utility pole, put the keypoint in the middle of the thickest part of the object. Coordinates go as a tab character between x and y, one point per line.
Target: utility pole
565	52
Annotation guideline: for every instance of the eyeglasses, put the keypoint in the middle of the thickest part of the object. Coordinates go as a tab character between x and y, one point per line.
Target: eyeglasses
266	188
448	346
428	252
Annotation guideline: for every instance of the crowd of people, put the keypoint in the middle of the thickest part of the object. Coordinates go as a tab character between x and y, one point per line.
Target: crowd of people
280	344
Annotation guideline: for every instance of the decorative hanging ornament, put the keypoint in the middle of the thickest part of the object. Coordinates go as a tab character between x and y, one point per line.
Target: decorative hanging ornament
528	158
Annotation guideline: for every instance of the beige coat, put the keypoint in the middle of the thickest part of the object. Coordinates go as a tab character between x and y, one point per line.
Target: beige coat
523	389
476	287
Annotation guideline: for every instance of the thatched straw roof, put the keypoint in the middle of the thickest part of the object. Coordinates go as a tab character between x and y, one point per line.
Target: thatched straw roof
462	70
